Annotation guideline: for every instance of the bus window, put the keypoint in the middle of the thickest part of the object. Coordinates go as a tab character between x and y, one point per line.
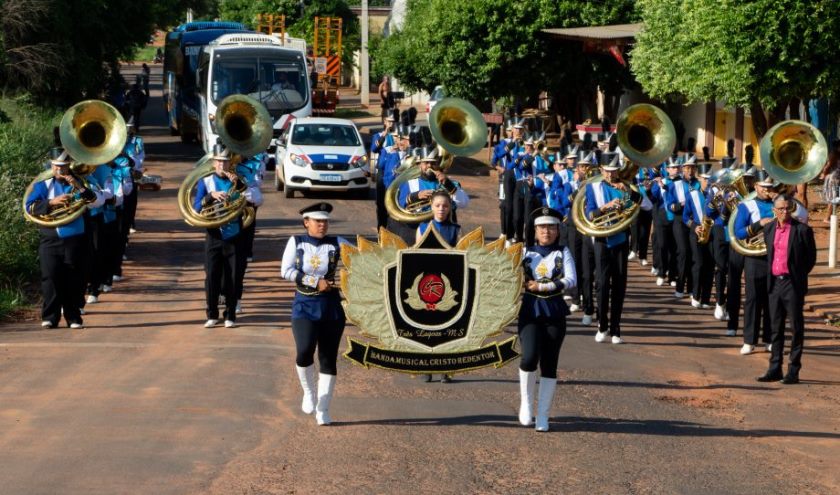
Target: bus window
278	81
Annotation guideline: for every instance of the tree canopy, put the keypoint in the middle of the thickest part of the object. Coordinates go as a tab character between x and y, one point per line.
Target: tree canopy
765	55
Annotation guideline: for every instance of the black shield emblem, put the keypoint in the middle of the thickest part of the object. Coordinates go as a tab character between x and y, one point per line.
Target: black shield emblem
431	293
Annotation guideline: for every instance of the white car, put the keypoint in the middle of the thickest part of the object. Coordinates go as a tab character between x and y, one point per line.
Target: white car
321	154
438	94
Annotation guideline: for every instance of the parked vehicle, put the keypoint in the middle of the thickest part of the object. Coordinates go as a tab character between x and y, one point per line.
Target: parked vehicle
438	94
321	154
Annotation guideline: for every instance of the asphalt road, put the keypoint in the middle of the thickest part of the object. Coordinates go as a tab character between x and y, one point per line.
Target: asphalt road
146	400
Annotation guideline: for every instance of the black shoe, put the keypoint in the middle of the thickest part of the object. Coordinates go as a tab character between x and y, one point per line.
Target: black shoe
790	379
445	379
769	377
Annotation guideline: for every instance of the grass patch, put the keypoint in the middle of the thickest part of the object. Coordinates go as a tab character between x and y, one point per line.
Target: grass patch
351	113
144	54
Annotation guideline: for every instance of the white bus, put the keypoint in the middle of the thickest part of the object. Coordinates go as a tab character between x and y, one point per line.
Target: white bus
260	66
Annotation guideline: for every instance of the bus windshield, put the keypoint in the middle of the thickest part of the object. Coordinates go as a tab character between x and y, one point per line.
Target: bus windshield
278	81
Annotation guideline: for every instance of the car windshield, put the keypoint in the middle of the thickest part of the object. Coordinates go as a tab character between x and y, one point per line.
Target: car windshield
279	82
325	135
438	94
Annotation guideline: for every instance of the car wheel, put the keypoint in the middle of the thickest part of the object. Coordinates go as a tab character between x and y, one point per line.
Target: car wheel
361	193
278	184
289	193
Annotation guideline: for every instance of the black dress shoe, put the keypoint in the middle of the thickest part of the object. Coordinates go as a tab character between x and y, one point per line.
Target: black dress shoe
790	379
769	377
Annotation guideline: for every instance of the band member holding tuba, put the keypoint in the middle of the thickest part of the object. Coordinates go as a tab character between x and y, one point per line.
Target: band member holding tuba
719	212
699	233
310	261
549	270
62	249
751	217
223	246
605	197
791	255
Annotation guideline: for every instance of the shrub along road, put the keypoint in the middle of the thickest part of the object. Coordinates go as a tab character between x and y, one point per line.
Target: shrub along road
146	400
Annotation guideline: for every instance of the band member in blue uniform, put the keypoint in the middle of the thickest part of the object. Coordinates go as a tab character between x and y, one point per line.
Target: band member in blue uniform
694	215
499	162
750	218
720	245
677	196
223	245
549	270
251	171
663	225
310	261
735	273
523	161
105	234
417	193
379	145
135	150
610	252
640	230
122	168
513	148
61	250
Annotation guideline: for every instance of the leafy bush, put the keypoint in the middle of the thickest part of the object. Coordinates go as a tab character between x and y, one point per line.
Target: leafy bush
24	139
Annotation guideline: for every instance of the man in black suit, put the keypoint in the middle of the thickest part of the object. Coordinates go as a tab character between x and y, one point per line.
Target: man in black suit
791	255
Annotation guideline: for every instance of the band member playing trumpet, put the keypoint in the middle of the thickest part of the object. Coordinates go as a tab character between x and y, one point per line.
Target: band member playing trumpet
499	161
310	261
549	270
699	228
751	217
663	225
523	200
62	249
379	145
640	230
605	197
222	246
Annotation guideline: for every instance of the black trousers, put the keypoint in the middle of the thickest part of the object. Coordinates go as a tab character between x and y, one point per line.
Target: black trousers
509	186
641	233
586	283
62	279
572	238
785	303
108	255
702	269
221	261
683	255
406	231
381	212
655	240
720	253
325	336
667	247
733	288
130	208
122	241
540	341
522	207
611	280
92	224
249	233
756	311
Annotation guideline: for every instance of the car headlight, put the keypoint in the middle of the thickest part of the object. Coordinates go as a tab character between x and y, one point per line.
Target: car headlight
297	160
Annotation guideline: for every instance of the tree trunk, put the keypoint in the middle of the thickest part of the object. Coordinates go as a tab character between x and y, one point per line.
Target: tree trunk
759	119
777	113
794	108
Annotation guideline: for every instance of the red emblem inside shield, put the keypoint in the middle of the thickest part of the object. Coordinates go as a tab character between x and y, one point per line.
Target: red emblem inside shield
431	290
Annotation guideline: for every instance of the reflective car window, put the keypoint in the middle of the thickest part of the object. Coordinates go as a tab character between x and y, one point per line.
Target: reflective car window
325	135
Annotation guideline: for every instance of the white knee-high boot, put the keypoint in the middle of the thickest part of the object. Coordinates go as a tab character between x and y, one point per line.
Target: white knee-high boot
307	383
546	395
326	386
527	382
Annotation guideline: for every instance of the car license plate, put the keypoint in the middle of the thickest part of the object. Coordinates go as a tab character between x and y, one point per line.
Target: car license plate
331	177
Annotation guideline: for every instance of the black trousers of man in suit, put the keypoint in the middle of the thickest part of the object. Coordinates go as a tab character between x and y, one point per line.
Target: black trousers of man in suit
786	303
720	253
702	268
733	288
756	302
611	280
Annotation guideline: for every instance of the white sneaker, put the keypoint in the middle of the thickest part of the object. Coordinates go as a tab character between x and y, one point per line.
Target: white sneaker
46	324
239	307
673	283
82	311
116	278
719	312
678	295
768	347
705	306
249	259
644	263
132	230
654	271
76	326
730	332
211	323
567	297
694	302
507	243
105	288
586	320
601	336
660	281
125	258
747	349
726	317
230	324
617	340
91	299
574	307
631	256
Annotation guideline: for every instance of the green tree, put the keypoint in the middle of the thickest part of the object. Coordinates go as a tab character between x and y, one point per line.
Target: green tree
765	55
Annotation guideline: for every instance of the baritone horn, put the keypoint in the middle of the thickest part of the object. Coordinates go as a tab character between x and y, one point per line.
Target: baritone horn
92	132
244	126
647	137
459	130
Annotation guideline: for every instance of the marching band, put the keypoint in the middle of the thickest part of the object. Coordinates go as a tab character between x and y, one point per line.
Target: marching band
581	218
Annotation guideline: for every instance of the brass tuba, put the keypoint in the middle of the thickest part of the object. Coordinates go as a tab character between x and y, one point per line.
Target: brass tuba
647	137
792	152
459	129
244	126
92	132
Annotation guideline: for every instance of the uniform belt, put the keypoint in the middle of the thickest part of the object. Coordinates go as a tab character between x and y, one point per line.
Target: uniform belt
545	295
308	291
782	277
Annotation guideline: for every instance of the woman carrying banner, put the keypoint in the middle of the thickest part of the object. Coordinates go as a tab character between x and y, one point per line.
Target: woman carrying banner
317	316
549	270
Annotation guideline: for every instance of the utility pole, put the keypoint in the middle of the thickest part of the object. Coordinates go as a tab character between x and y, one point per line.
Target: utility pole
189	15
365	63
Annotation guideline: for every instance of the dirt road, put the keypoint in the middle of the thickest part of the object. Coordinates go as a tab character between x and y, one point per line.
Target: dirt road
146	400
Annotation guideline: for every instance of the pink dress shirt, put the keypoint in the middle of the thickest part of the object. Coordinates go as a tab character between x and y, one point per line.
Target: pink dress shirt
780	247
